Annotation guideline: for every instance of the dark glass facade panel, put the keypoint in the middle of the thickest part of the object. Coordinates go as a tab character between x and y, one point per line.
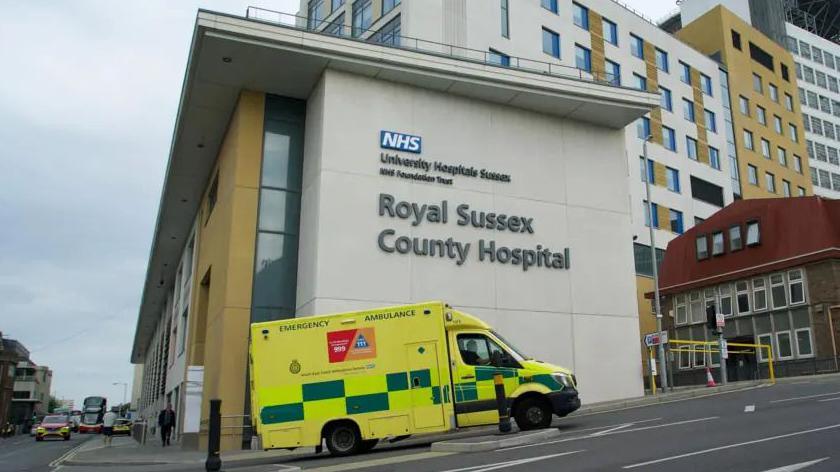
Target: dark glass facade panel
279	211
275	271
641	255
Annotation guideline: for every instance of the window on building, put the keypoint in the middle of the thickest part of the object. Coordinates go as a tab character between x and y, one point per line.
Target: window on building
706	191
669	139
388	5
748	140
783	347
717	243
765	148
637	46
551	43
702	245
665	99
685	72
788	102
550	5
778	294
770	180
580	15
804	50
498	58
714	158
662	60
610	31
758	87
182	340
735	241
336	26
212	196
765	340
781	154
648	209
801	191
644	265
676	220
688	110
706	84
681	309
647	170
785	188
777	124
816	54
583	58
796	287
639	82
794	133
691	147
643	127
752	174
821	79
774	93
759	294
711	121
761	114
505	18
742	297
390	33
736	40
804	345
672	177
785	72
725	292
362	16
613	71
797	163
316	11
744	105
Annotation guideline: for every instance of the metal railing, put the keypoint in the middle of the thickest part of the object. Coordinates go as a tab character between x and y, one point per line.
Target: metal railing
394	40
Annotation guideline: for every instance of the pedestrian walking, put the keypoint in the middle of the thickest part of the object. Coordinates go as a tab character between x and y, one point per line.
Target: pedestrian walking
166	421
108	420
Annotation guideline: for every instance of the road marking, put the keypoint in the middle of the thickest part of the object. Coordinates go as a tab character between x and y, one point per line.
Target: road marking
596	428
749	408
608	431
617	431
805	397
67	455
829	399
286	467
507	464
729	446
795	467
383	461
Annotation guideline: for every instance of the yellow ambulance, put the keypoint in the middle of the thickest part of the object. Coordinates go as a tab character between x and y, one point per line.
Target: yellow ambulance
351	379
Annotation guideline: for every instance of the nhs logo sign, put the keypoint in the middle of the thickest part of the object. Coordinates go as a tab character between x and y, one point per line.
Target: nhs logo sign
399	141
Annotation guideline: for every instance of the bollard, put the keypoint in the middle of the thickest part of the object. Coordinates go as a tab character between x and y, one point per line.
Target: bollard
214	433
501	402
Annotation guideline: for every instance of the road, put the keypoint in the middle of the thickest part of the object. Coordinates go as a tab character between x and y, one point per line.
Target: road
24	454
783	428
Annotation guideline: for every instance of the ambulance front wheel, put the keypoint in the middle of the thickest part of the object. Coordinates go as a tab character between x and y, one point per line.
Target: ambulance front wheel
343	439
533	413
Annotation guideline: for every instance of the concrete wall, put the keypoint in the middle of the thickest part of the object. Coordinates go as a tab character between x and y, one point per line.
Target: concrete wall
571	178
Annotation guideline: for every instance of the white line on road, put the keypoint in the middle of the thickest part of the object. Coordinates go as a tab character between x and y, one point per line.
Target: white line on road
805	397
67	455
607	431
829	399
617	431
507	464
795	467
749	408
729	446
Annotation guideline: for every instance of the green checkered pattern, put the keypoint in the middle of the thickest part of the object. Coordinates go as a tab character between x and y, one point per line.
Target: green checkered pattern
469	391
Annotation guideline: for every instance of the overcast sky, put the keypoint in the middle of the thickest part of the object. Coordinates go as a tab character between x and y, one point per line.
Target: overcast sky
88	95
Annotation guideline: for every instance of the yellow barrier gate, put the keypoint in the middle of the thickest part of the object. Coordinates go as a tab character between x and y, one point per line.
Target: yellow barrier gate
709	347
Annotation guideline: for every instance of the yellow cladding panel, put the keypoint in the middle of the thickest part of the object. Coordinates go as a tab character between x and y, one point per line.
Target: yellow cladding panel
656	125
659	177
647	320
713	32
664	215
596	35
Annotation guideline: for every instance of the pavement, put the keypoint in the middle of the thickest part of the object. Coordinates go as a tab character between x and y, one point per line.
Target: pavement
751	427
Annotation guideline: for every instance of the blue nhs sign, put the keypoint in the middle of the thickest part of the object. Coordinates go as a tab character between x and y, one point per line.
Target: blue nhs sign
399	141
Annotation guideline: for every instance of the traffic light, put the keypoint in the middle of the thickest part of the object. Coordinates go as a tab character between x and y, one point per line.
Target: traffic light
711	322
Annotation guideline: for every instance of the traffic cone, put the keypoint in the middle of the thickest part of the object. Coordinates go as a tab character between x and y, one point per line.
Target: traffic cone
710	381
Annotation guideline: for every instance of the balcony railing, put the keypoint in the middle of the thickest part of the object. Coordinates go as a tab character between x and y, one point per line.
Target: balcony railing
395	40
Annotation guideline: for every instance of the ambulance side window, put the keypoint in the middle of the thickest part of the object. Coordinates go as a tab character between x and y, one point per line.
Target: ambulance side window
479	350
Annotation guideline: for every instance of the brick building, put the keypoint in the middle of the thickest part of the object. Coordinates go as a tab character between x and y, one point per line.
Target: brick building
772	267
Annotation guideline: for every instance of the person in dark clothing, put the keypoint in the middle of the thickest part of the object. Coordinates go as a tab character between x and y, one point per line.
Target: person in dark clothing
166	421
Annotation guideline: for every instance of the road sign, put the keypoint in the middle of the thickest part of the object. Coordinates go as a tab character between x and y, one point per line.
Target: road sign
719	321
655	339
653	366
724	349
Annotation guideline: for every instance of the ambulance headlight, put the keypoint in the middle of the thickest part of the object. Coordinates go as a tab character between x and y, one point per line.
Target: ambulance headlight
563	379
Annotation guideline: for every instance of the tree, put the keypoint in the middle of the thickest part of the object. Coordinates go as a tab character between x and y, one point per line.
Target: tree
53	404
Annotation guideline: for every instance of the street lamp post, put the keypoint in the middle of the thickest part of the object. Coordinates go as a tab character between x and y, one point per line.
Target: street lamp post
663	373
125	390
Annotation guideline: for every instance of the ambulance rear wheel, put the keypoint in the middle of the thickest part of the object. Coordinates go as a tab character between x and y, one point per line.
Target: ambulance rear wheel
532	413
343	439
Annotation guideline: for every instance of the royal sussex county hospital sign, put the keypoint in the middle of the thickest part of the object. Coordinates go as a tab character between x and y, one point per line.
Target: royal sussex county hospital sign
444	212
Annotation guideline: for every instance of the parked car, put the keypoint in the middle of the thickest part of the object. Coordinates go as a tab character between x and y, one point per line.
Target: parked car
122	426
54	426
34	429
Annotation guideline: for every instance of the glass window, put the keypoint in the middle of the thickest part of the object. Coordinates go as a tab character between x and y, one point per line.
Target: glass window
550	5
682	312
336	26
752	174
661	60
665	99
777	124
711	120
714	158
801	191
498	58
736	40
275	272
643	127
759	295
770	180
781	154
742	297
774	93
761	114
706	84
279	211
317	11
794	134
580	15
717	243
669	139
803	343
796	287
335	4
505	18
748	140
765	148
765	340
797	163
673	179
650	173
640	82
778	293
390	33
551	43
362	16
479	350
725	299
688	110
702	247
757	85
613	70
281	143
783	347
685	73
655	211
788	102
610	31
735	241
583	58
637	46
744	105
698	313
388	5
676	220
691	147
785	188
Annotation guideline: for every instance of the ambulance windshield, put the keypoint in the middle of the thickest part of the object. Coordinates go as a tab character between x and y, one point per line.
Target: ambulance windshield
517	354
